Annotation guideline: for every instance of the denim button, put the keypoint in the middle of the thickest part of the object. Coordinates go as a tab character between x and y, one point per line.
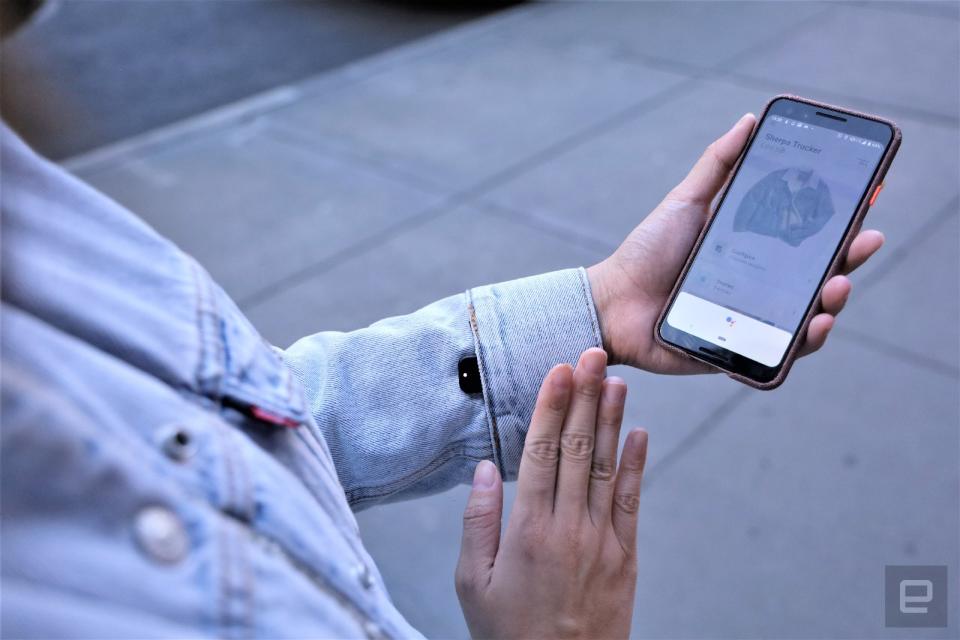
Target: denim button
179	443
161	534
364	576
373	630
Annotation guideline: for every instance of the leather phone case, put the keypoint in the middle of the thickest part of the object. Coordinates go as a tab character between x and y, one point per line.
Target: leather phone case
833	268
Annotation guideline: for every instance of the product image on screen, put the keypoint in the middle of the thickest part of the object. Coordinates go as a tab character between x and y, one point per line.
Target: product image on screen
773	237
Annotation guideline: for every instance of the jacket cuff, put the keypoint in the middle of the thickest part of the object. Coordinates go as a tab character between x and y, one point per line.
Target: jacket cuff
521	329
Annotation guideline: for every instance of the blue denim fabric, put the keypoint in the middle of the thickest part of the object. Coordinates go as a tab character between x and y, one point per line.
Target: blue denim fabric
132	386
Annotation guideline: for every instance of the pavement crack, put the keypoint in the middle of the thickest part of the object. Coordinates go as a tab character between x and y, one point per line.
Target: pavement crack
902	252
899	353
705	427
561	232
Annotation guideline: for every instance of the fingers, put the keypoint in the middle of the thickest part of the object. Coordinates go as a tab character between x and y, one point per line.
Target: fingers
537	476
817	333
481	529
626	498
835	294
579	434
833	299
713	167
604	467
837	290
866	244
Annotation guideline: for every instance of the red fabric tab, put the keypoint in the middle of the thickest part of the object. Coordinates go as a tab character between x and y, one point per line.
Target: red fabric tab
266	416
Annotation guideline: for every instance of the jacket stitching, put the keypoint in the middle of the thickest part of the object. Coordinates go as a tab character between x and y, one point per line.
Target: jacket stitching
485	386
588	298
361	494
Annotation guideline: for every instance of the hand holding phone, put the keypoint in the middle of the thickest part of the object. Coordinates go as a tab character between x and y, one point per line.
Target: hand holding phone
632	286
780	230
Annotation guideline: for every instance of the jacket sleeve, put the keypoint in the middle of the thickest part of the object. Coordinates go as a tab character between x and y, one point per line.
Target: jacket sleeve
388	400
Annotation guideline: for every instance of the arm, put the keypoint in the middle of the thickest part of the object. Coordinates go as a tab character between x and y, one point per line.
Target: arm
388	400
566	564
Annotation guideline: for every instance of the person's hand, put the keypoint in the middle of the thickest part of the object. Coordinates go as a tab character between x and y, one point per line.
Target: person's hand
566	567
631	286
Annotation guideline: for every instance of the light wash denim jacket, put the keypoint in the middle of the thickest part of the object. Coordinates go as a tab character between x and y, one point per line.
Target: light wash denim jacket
165	472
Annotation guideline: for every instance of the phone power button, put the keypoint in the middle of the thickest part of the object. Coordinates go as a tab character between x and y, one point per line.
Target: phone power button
876	192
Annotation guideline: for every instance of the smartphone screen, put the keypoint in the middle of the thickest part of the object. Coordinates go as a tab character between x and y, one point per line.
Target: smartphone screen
776	232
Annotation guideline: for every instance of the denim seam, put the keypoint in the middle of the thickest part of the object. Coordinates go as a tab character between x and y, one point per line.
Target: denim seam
325	491
231	540
135	444
511	396
288	378
365	501
310	408
247	507
485	387
360	610
248	588
227	382
588	298
223	536
218	340
379	491
201	341
310	434
361	494
228	482
309	440
325	495
208	313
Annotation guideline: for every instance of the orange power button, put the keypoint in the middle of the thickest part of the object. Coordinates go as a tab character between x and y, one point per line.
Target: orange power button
876	192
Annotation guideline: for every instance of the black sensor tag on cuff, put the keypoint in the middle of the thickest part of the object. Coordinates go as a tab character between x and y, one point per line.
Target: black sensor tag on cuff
468	373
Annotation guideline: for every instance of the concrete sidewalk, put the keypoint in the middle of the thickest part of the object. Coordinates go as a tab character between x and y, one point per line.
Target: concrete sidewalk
536	139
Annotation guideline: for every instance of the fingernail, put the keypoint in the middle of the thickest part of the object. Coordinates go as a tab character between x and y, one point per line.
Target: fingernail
485	475
614	389
639	437
595	361
560	378
741	120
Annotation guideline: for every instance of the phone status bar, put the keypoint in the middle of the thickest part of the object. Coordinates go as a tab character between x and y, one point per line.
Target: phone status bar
840	135
791	123
861	141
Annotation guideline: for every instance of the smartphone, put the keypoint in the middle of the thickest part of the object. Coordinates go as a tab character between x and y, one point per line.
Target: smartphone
780	229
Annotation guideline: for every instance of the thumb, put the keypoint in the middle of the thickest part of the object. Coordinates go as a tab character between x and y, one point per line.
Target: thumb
711	170
481	529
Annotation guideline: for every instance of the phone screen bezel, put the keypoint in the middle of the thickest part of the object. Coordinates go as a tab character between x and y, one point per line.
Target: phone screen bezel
828	117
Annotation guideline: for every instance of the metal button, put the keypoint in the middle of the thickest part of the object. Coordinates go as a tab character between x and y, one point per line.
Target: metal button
364	576
179	443
373	630
161	534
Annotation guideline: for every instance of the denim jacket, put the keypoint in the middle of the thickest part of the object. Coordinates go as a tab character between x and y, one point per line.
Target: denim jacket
165	472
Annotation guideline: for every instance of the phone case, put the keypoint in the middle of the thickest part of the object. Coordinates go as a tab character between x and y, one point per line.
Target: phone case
834	267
